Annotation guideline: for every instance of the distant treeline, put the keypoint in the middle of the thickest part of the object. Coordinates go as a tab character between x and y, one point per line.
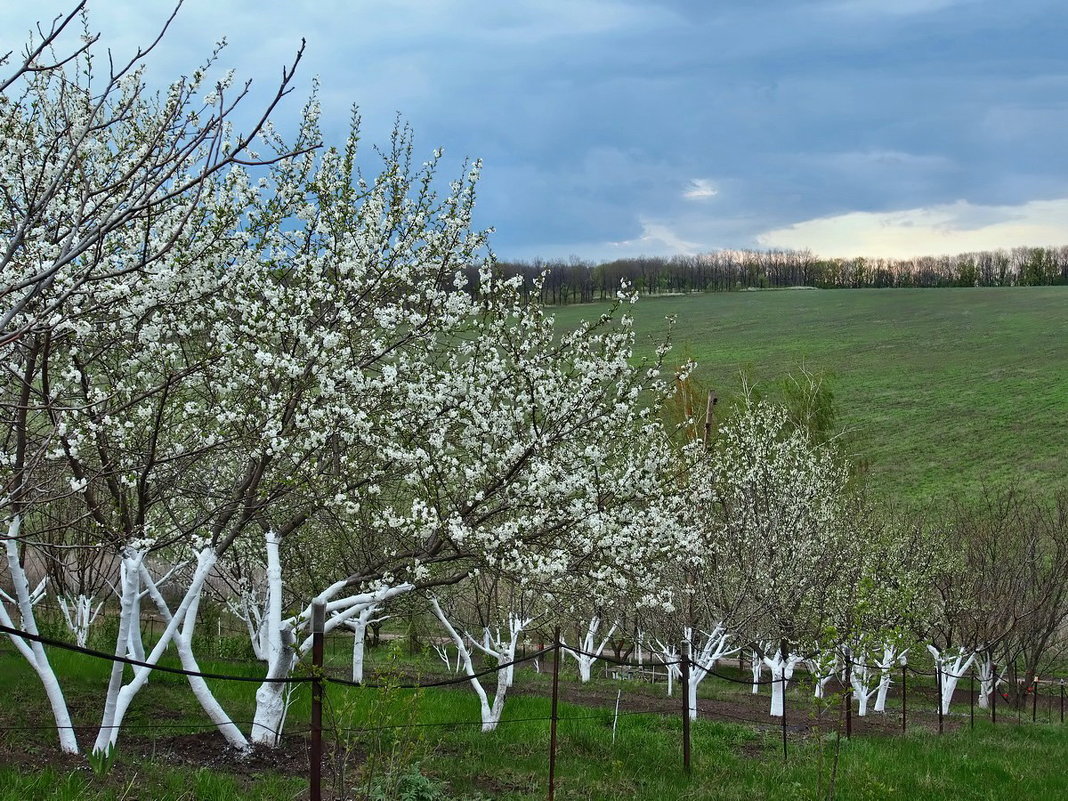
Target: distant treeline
578	281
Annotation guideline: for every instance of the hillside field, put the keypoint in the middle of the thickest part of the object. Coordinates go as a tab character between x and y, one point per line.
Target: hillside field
945	391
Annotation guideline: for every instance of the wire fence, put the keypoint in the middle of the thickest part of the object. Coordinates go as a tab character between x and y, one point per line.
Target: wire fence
797	717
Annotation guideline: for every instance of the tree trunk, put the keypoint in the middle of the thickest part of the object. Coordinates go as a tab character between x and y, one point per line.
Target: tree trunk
34	652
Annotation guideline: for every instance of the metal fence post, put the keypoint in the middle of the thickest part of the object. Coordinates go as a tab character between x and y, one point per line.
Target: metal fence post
684	663
994	694
971	701
904	699
849	699
938	680
552	724
318	624
785	753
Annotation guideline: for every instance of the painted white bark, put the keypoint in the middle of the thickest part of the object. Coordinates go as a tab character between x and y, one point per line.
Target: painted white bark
277	643
588	651
757	666
823	667
249	608
503	652
136	646
891	657
442	650
782	670
863	679
79	612
183	641
703	660
987	681
119	696
359	642
950	667
36	595
284	648
503	649
34	652
669	655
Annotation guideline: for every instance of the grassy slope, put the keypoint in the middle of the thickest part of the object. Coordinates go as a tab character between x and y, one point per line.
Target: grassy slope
946	389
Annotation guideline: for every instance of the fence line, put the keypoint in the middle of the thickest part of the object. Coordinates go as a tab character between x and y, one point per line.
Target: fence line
319	680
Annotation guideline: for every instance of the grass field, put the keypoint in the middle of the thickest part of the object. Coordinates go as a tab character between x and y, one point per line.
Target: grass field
945	390
169	753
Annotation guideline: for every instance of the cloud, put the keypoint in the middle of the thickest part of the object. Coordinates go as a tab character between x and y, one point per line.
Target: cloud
657	238
933	230
881	160
895	8
700	189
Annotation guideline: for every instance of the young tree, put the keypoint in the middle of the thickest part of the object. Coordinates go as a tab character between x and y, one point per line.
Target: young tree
491	603
588	650
787	545
103	185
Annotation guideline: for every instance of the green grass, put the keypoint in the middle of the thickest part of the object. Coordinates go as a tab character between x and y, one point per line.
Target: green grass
946	390
381	734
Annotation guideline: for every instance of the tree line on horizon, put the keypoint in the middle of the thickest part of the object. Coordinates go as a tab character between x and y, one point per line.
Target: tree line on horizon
574	280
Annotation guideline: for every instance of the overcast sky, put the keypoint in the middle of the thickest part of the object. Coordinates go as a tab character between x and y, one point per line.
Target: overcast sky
623	127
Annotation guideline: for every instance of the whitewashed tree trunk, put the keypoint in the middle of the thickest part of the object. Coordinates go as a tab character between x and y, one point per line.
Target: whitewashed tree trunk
782	669
249	607
864	680
284	648
359	642
891	656
501	649
823	667
36	595
278	652
757	666
119	696
79	612
135	643
669	655
703	660
34	652
588	651
950	667
503	652
183	641
987	681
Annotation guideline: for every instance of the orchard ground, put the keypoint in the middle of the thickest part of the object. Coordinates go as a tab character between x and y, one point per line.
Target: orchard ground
385	742
944	391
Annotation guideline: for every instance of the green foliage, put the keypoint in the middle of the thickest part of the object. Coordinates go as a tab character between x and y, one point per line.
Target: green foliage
811	404
412	785
102	761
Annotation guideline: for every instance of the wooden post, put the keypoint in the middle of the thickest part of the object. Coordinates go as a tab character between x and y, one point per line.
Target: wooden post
318	623
1062	700
712	401
554	715
685	665
1034	700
